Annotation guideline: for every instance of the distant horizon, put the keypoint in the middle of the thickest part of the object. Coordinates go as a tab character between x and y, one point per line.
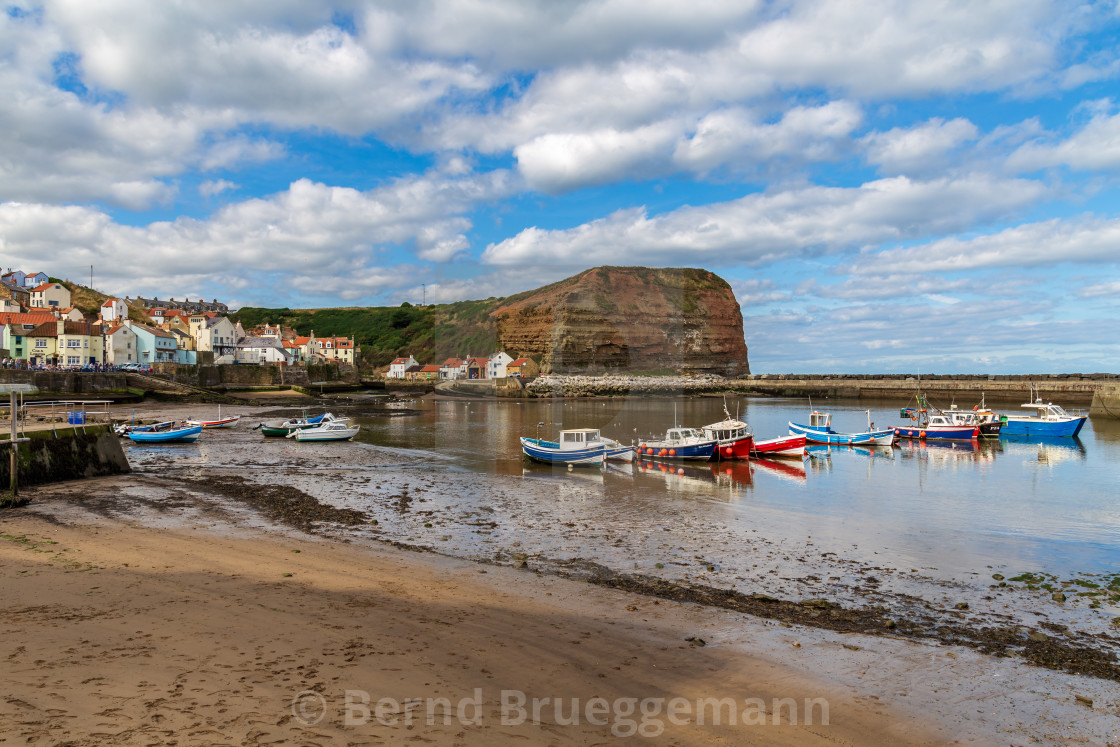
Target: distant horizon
885	186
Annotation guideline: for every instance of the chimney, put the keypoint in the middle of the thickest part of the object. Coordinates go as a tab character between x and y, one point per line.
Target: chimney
61	329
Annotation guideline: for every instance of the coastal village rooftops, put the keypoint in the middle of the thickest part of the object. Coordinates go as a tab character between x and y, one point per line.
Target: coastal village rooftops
452	363
518	362
15	317
399	362
153	330
45	286
257	342
429	369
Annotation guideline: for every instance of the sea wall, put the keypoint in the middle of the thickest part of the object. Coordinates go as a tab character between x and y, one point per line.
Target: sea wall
65	382
72	454
248	376
1106	402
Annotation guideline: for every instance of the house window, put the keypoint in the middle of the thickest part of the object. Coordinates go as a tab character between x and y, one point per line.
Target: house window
73	343
40	342
73	360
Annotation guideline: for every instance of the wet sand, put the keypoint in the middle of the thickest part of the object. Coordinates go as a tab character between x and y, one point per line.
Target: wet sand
112	631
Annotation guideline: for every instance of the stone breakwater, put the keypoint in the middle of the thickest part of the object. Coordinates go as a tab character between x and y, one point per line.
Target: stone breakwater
1069	390
606	386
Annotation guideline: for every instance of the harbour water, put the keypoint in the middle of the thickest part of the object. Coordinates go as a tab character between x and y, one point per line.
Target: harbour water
448	474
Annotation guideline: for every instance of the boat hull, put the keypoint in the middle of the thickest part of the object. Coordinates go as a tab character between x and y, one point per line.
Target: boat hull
223	423
736	449
178	435
662	450
938	432
549	452
309	435
1049	428
883	437
785	446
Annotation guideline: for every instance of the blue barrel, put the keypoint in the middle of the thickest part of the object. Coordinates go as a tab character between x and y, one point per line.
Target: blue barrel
77	418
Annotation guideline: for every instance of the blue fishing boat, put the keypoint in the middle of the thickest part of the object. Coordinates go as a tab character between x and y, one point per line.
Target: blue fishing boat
174	434
819	431
1050	420
577	446
679	443
927	423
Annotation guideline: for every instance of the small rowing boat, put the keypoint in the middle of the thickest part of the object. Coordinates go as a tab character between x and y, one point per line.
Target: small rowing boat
175	434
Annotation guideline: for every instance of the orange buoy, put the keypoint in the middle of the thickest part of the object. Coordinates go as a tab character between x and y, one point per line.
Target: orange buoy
672	452
728	451
650	451
922	434
680	471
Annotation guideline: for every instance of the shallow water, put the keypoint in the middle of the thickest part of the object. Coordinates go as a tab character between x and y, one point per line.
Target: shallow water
1026	504
858	526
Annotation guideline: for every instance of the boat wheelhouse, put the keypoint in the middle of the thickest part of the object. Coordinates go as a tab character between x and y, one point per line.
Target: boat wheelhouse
820	431
733	438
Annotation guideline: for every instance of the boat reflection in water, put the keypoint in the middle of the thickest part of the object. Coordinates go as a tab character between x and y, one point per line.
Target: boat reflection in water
1044	449
734	475
785	469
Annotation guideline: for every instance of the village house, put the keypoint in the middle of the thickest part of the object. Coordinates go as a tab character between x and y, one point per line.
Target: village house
42	344
7	306
191	307
261	351
496	365
71	314
113	310
50	295
427	373
17	327
399	367
120	345
335	349
449	371
25	280
79	343
153	344
15	293
523	368
474	368
218	335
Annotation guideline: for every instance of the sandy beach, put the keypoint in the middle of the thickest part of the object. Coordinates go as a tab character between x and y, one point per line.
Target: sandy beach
115	632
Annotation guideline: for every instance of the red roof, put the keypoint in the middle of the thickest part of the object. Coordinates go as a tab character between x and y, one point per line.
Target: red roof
45	286
478	361
452	363
430	369
518	362
399	361
15	317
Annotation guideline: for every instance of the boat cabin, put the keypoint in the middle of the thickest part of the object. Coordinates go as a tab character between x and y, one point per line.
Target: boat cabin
1048	411
682	434
941	420
579	438
728	430
821	421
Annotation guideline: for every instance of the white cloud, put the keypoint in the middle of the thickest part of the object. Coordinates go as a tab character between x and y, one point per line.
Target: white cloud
1097	290
1049	242
769	226
311	231
918	148
213	187
1095	147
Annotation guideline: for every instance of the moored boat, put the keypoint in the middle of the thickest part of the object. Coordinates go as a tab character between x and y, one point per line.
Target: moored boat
1051	420
338	430
983	417
733	438
820	431
174	434
230	422
679	443
783	446
927	423
577	446
281	429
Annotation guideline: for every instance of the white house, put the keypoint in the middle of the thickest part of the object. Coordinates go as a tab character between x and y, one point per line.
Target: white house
262	350
217	335
120	346
399	366
9	306
113	310
496	365
450	369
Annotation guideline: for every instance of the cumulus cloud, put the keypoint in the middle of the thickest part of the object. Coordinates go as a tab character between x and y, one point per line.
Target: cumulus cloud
1095	147
1087	240
323	238
918	148
770	226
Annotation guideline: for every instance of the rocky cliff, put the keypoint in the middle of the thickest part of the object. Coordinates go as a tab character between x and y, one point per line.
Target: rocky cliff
627	319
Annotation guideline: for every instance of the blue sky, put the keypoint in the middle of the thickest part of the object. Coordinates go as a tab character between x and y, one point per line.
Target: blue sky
888	186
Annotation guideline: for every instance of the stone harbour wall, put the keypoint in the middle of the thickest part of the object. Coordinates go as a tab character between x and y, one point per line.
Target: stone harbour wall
71	455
